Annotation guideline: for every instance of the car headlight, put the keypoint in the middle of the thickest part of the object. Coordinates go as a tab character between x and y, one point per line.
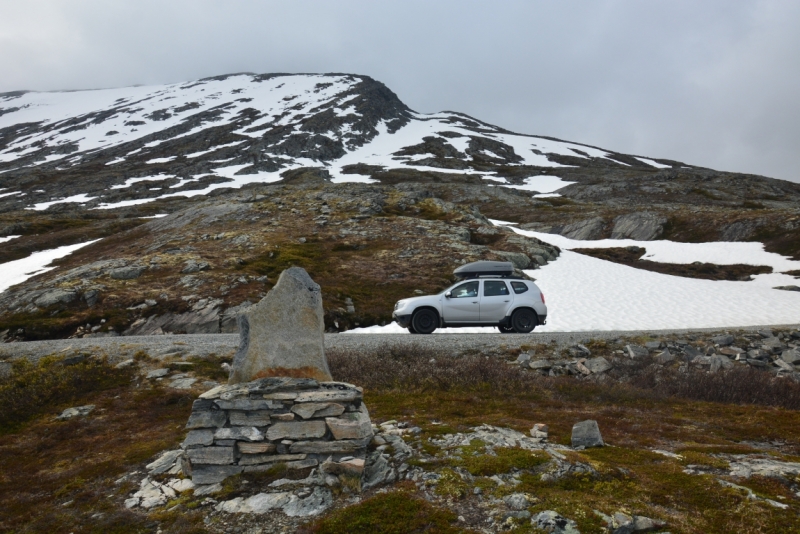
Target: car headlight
398	305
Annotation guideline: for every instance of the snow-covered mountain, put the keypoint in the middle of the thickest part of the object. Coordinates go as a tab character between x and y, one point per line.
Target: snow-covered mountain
117	147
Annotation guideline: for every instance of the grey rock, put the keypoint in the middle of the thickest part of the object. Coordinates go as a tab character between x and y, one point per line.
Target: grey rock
783	365
636	351
720	362
588	229
771	344
554	523
350	426
129	272
193	266
211	455
652	345
77	411
318	409
598	365
5	369
210	489
296	430
229	320
586	434
213	419
523	358
377	470
722	340
518	259
198	438
213	474
55	296
164	463
766	334
242	433
258	418
787	288
516	501
246	404
541	364
327	447
256	459
791	356
261	503
345	394
255	448
641	226
183	383
283	333
665	357
316	503
158	373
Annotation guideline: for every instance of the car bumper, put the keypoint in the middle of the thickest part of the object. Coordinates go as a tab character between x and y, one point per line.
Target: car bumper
542	319
402	320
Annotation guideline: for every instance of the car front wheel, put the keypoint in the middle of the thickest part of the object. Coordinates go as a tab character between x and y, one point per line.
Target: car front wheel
424	321
411	330
523	321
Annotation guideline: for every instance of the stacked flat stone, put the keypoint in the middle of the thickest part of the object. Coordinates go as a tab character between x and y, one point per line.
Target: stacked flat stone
253	426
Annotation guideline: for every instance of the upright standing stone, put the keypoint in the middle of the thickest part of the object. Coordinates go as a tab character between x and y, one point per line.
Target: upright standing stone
283	334
586	434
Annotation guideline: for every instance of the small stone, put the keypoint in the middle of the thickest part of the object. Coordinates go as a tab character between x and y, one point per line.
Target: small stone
586	434
327	447
516	501
182	383
348	467
350	426
766	334
296	430
209	489
283	416
541	364
245	404
241	433
255	459
255	448
210	456
206	420
164	462
636	351
344	395
791	356
157	373
665	357
539	430
124	364
598	365
212	474
523	358
198	438
652	345
259	418
554	523
309	410
76	411
722	340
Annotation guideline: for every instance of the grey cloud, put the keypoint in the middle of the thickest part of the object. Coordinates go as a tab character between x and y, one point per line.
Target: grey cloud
711	83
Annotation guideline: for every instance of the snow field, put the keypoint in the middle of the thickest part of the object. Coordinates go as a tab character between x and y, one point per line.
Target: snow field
17	271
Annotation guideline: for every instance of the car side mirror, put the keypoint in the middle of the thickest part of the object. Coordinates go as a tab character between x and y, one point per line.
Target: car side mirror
448	295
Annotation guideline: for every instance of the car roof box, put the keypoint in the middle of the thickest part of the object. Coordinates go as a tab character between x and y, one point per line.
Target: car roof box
485	268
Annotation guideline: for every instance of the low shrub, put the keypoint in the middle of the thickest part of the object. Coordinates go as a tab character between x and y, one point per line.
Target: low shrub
32	389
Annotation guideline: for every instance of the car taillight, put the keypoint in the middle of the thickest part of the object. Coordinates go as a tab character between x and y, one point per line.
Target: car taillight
542	295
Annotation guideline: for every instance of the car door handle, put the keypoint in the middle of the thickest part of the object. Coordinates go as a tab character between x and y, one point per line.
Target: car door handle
506	301
474	301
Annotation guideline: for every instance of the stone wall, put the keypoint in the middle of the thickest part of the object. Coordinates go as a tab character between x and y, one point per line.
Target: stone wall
298	422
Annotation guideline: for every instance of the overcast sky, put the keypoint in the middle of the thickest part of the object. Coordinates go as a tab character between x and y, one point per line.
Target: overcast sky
714	83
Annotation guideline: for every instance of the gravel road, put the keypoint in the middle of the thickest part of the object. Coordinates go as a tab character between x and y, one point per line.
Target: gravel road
120	348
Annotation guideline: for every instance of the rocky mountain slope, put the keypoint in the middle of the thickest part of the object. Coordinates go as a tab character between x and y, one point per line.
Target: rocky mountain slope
249	174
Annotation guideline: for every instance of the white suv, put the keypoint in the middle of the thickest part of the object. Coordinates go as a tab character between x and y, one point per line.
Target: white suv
491	296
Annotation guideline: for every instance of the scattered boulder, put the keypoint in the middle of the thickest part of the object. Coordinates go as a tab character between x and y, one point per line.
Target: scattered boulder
586	434
282	335
55	296
588	229
76	411
665	357
598	365
723	340
129	272
636	351
641	226
791	356
193	266
554	523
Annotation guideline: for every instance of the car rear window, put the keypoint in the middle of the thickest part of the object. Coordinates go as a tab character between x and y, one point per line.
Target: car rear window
494	288
519	287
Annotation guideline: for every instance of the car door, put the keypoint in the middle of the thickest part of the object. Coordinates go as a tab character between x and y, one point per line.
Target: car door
495	300
463	305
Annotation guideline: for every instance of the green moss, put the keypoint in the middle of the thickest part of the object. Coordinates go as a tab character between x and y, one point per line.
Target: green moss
475	459
451	485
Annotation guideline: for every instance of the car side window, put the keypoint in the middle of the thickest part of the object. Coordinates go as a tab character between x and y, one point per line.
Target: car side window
468	290
494	288
519	287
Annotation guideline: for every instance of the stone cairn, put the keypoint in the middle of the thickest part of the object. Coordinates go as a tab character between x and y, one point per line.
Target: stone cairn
280	405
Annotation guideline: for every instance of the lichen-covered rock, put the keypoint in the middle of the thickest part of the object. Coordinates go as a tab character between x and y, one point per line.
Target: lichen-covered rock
282	335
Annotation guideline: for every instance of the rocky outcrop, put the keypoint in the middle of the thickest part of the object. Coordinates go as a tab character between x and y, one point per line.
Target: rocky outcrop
640	226
282	335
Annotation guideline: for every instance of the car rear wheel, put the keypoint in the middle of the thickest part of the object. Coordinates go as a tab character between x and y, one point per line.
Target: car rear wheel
505	329
424	321
523	321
